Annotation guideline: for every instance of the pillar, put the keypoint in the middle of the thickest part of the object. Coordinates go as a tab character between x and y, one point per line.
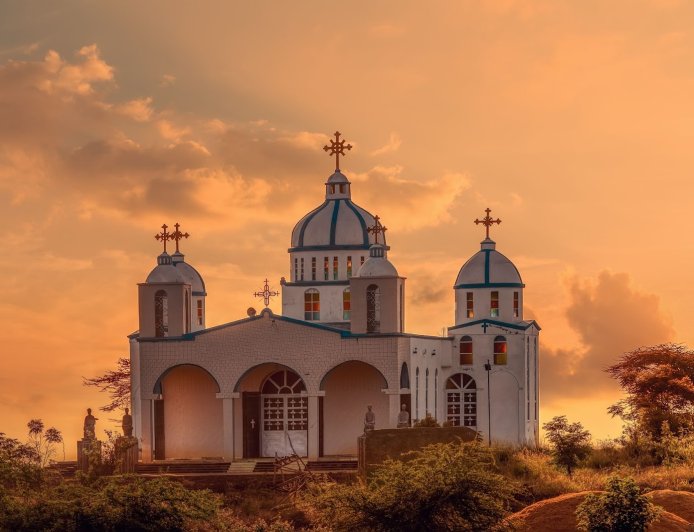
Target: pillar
146	437
313	426
394	408
228	407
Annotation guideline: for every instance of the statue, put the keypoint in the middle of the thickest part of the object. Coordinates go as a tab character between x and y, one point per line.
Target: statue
90	425
369	419
127	424
403	417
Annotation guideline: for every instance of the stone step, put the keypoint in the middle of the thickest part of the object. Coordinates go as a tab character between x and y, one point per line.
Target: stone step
241	467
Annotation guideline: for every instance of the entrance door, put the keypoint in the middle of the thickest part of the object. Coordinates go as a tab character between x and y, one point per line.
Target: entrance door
251	424
285	415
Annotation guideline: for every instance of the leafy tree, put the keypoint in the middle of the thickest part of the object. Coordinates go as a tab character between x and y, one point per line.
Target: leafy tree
621	508
44	441
18	464
659	386
570	442
452	486
116	383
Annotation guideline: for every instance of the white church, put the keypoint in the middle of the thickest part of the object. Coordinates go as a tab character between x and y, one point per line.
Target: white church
272	384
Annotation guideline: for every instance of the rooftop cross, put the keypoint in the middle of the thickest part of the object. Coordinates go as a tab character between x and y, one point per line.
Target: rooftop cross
338	148
378	229
164	236
177	235
487	221
266	294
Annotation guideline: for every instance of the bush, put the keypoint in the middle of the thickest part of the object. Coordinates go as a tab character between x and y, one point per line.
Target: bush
622	508
569	442
453	486
427	421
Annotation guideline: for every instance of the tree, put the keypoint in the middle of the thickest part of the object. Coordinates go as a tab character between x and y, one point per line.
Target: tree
453	486
569	442
44	442
116	383
621	508
659	386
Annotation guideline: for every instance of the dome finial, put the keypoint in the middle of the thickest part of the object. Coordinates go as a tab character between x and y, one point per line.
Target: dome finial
487	221
377	229
337	147
266	294
177	235
164	236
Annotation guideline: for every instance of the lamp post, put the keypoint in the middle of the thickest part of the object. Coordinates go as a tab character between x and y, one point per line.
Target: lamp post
488	367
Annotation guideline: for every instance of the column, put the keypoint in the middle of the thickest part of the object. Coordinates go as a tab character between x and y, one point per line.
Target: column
313	425
146	407
228	423
393	410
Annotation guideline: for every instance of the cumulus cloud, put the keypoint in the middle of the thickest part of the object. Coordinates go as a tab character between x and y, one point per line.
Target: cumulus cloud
610	318
393	144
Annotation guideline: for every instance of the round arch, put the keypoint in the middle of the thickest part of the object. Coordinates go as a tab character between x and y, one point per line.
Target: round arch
341	364
157	385
276	365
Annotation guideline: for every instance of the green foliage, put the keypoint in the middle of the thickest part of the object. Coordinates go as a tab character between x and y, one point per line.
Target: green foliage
427	421
119	503
621	508
452	486
19	464
570	442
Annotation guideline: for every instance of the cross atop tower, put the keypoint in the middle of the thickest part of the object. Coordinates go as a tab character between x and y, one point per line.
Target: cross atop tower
338	148
266	294
164	236
487	221
378	229
177	235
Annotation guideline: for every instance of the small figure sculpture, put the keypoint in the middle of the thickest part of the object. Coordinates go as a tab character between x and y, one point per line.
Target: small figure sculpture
127	424
90	425
403	417
369	419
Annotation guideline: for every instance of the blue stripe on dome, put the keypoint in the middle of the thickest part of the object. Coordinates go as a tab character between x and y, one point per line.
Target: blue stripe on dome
333	223
486	265
308	219
361	221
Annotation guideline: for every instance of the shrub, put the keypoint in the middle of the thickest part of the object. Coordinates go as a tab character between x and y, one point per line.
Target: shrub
451	486
427	421
622	508
569	442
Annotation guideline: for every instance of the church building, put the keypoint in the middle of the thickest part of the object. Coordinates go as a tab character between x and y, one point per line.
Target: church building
300	382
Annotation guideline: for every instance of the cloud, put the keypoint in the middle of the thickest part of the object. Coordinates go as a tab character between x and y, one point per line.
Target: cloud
392	145
610	318
139	110
167	80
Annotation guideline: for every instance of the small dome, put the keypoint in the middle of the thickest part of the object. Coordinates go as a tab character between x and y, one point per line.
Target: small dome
336	178
165	271
488	268
377	265
190	274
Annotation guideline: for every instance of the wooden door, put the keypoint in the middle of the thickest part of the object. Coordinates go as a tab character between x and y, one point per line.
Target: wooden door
251	424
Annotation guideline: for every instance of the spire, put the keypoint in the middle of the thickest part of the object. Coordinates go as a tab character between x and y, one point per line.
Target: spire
377	249
177	236
337	147
487	222
164	236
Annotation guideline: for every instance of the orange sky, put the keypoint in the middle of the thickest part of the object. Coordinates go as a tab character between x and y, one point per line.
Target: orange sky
571	120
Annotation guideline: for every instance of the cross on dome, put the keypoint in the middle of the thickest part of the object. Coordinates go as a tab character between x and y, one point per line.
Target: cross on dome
487	221
177	235
266	294
377	229
337	147
164	236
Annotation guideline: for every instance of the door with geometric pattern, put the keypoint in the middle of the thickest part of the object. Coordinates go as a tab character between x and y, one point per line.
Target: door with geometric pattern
284	415
461	401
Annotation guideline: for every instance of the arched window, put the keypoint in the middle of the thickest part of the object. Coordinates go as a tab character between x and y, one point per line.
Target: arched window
312	305
461	401
465	351
426	392
161	314
346	304
416	394
494	304
404	376
500	351
373	309
284	406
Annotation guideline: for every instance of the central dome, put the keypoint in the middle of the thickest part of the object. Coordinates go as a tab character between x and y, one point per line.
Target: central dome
336	224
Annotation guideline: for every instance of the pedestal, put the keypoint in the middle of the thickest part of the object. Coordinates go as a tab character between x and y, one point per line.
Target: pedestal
126	454
86	447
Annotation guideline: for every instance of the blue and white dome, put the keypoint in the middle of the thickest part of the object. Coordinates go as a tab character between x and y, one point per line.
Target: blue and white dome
336	224
377	265
165	271
488	269
191	275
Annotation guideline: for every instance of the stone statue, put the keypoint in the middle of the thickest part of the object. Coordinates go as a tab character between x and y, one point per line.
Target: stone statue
90	425
127	424
369	419
403	417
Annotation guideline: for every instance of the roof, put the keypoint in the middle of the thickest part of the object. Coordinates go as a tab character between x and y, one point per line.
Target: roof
486	322
488	269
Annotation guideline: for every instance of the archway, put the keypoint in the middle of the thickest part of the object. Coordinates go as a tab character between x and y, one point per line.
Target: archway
349	389
188	420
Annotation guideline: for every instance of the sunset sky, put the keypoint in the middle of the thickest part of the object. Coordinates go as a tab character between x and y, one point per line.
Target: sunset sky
572	121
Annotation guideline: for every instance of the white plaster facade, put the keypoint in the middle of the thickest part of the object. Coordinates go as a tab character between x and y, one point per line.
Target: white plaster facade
271	383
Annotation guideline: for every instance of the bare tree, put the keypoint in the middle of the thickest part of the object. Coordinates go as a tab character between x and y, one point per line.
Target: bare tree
116	383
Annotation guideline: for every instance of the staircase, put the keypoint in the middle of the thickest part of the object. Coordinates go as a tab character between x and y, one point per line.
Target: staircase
332	465
182	467
242	468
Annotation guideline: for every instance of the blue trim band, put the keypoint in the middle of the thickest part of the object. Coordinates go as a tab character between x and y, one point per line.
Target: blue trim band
317	283
486	265
490	285
523	326
333	223
361	221
308	219
329	248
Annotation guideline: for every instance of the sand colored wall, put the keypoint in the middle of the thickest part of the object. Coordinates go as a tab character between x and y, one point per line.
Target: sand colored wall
192	414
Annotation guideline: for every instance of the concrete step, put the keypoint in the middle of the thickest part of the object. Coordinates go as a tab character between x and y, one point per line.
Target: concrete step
241	467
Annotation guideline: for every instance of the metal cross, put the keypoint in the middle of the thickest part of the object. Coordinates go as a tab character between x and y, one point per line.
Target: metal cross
266	294
378	229
164	236
177	235
487	221
338	148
